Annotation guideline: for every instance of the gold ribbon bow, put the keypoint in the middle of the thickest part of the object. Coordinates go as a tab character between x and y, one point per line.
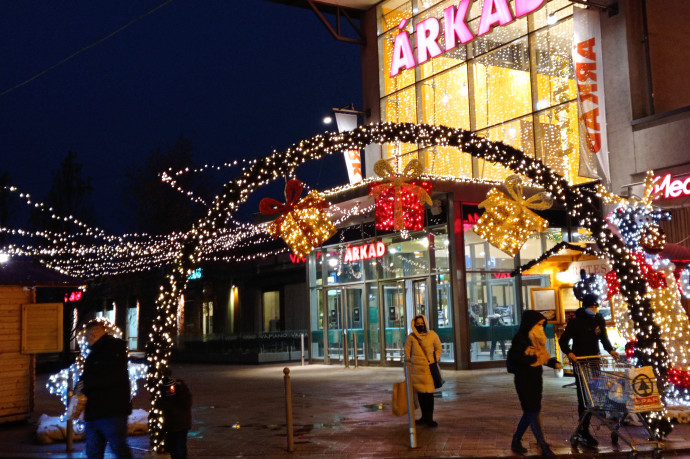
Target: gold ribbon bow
398	182
513	183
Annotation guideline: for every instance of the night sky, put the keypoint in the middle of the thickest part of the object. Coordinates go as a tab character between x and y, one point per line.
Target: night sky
237	81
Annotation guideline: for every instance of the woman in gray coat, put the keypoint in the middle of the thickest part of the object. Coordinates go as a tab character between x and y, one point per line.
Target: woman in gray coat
422	347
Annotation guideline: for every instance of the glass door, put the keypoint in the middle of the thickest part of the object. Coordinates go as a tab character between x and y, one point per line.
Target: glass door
420	298
395	320
345	324
354	325
334	324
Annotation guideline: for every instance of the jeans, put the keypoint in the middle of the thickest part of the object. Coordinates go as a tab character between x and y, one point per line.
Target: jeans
176	444
107	430
530	419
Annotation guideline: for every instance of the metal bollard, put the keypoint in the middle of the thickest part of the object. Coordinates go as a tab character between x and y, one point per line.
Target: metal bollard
354	345
301	337
410	408
69	434
288	410
346	351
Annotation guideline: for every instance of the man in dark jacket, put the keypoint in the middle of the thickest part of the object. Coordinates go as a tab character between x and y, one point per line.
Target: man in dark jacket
586	330
107	391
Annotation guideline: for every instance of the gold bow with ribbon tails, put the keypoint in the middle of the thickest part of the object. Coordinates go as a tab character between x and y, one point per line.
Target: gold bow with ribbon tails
395	196
508	220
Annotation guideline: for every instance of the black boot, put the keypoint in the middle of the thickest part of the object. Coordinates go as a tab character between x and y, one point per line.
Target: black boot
546	451
516	445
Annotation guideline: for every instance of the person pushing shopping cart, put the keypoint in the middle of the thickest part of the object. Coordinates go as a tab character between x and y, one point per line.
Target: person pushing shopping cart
586	330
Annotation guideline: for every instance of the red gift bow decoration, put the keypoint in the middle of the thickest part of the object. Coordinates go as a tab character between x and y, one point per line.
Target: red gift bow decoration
293	191
398	183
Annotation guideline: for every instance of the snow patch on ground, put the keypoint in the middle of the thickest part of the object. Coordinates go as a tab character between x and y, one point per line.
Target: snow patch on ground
51	429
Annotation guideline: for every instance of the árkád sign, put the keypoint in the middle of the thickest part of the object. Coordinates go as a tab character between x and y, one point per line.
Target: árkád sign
364	251
455	30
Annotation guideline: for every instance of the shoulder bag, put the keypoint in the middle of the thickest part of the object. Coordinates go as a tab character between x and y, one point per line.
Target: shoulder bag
433	366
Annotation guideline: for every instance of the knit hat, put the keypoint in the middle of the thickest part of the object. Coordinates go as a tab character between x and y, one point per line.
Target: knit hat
590	300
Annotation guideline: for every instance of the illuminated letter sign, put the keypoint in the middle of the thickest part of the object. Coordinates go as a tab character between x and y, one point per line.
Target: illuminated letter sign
364	251
671	188
494	12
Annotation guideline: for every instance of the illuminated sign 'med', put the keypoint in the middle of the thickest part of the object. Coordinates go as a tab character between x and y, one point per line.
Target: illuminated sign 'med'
671	188
455	30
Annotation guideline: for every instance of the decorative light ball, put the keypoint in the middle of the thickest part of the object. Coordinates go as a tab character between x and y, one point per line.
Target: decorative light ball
653	239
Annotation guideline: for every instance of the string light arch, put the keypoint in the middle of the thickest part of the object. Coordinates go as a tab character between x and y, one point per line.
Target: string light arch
579	203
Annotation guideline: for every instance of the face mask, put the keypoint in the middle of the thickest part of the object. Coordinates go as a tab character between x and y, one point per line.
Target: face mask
420	328
590	311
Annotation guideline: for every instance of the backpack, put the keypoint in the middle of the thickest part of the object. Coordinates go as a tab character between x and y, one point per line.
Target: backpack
510	365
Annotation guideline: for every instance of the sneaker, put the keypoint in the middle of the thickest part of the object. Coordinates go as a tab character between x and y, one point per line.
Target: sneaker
588	440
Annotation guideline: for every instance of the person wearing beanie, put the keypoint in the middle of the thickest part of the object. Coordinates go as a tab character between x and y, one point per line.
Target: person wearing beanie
176	405
586	330
526	356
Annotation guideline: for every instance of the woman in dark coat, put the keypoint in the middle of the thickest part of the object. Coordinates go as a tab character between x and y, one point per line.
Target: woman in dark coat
525	359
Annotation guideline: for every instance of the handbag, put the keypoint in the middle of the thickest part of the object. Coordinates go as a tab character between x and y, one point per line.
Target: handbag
434	369
76	406
400	398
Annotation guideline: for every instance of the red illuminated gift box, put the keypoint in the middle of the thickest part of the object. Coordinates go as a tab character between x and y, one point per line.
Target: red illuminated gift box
400	199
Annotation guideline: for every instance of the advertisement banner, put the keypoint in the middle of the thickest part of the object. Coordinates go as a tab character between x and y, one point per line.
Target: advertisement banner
587	61
347	122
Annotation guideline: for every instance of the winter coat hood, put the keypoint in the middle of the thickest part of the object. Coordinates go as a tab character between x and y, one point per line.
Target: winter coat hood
530	318
426	324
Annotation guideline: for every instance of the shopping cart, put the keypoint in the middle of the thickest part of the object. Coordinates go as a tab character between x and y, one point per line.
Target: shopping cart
613	389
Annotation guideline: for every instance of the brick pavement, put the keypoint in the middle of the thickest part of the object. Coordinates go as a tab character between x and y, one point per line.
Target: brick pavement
239	411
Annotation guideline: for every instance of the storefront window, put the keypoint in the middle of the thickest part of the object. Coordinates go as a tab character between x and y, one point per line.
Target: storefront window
373	323
315	268
444	318
406	257
340	267
514	84
441	244
502	85
316	321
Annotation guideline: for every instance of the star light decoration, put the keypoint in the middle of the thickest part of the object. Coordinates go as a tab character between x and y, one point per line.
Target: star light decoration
58	383
184	251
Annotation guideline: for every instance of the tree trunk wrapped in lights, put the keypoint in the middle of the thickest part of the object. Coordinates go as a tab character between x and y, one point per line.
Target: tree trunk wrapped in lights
399	199
508	220
302	224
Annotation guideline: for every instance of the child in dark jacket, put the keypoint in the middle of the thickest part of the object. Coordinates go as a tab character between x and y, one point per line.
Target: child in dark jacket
176	404
525	359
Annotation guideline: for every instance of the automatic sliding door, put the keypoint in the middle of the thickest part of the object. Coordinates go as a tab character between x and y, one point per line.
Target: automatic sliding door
395	319
334	301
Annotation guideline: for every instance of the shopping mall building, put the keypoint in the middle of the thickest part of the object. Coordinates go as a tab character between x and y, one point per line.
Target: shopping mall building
507	71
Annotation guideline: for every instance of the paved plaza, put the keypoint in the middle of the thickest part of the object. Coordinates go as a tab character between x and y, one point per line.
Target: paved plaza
239	411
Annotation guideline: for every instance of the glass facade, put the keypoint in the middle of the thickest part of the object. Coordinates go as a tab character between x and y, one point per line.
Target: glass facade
514	84
364	294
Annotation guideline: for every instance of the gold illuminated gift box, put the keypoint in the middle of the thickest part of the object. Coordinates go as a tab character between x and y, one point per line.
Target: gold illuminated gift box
508	220
303	225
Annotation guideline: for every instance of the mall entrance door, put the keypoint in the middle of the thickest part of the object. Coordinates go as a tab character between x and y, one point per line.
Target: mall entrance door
402	300
344	325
